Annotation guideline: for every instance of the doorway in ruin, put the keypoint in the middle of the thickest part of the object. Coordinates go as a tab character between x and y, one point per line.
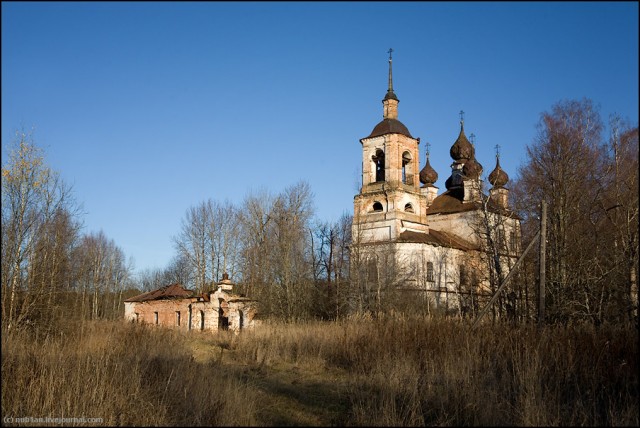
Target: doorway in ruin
223	321
241	313
201	320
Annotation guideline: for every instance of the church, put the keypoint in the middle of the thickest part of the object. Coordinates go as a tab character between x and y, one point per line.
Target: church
448	248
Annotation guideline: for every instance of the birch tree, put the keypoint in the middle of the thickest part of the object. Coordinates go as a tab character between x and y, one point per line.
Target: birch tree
193	243
32	196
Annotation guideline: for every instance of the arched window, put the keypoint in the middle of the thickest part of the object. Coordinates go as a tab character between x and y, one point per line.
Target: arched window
408	208
463	276
406	160
377	207
378	160
430	272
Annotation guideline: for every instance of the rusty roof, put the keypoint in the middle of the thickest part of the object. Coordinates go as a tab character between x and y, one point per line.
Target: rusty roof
173	291
436	237
451	202
389	126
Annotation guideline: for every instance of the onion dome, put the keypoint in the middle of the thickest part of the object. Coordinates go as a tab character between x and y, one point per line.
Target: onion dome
498	178
428	175
449	182
462	148
472	168
454	181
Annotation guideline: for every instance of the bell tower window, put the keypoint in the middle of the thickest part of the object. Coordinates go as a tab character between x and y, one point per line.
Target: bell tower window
408	208
377	207
378	161
407	178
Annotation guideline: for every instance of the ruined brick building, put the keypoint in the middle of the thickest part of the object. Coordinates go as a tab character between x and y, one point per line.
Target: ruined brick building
175	306
405	235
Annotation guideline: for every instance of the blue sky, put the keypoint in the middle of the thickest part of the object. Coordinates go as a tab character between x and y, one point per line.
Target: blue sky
149	108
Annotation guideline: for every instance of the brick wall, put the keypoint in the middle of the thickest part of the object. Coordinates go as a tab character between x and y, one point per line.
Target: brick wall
161	312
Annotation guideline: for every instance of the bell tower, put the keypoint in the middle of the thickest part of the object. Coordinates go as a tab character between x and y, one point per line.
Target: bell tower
390	200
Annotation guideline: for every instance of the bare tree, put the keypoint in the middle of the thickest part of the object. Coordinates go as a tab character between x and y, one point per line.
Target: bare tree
150	279
497	233
291	213
178	271
193	243
101	276
51	266
277	266
34	200
568	166
341	263
620	206
255	224
330	260
222	230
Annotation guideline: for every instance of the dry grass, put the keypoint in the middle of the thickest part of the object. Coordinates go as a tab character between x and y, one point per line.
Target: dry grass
396	371
123	373
403	371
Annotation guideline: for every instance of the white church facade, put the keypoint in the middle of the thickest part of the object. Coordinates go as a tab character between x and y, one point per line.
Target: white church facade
406	236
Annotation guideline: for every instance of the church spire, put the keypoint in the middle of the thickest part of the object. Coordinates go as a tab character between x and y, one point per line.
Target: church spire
390	101
390	123
390	93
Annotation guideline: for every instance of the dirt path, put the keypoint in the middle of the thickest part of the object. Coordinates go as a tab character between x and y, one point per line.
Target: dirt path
288	395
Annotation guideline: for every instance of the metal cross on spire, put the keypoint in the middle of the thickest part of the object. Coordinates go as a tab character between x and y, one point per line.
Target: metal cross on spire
427	149
461	117
472	138
497	147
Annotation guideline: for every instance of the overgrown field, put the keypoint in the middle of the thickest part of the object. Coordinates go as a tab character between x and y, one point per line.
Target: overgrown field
398	371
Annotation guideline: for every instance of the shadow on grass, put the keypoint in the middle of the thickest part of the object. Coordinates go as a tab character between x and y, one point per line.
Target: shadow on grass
290	397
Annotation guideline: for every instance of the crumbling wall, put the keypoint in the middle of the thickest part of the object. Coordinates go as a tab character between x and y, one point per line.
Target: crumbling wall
221	310
241	314
166	310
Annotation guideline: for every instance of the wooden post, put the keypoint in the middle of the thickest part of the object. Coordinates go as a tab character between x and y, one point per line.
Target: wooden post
543	242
